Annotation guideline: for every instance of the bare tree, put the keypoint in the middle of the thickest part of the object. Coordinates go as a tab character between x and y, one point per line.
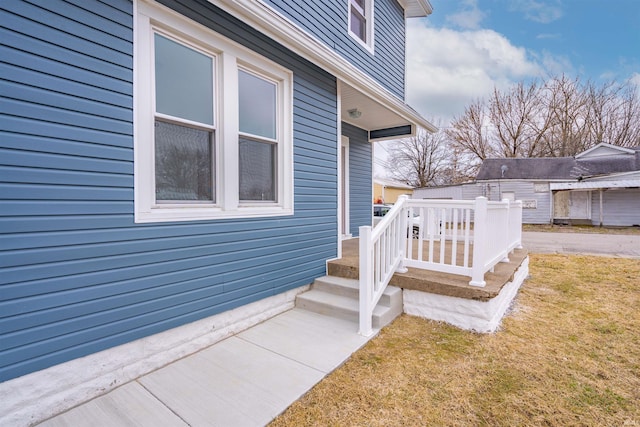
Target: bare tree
518	119
614	114
418	160
460	168
467	132
555	118
559	117
568	104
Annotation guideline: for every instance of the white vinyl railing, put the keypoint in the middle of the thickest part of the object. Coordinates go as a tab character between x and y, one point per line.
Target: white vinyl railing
381	255
464	237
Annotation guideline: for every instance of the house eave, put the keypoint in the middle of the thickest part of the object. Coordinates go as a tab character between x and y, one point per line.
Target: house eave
416	8
279	28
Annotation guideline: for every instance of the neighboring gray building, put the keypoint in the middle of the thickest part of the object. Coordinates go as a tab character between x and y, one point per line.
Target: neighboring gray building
600	186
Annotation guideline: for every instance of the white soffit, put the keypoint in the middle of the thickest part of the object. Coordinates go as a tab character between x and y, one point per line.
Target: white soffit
271	23
372	114
416	8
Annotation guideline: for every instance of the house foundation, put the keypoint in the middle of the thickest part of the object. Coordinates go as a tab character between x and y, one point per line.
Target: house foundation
471	314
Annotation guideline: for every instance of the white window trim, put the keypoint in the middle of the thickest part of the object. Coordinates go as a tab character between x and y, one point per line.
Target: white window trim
369	17
229	56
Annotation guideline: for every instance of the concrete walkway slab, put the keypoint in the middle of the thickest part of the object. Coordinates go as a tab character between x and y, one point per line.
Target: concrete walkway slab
232	383
244	380
321	342
129	405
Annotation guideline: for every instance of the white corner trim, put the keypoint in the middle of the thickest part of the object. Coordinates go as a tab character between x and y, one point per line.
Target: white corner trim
271	23
29	399
479	316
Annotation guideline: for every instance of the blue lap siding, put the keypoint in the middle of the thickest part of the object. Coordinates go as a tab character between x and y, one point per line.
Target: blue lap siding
327	20
360	178
77	275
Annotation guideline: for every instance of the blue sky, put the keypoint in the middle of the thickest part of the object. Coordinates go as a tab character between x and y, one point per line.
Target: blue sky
466	47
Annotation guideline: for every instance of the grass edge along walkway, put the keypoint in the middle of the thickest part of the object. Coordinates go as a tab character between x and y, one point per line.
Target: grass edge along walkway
568	353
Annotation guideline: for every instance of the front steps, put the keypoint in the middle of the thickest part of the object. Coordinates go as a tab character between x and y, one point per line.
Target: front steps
338	297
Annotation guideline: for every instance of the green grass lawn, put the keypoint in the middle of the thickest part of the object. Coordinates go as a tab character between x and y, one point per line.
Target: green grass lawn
568	353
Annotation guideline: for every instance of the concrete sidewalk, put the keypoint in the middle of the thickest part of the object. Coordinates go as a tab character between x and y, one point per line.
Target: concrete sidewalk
617	245
245	380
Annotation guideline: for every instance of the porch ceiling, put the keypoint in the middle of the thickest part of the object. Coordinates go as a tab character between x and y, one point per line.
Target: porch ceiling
374	115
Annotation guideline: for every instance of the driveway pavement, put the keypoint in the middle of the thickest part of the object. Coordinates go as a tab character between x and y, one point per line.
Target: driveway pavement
616	245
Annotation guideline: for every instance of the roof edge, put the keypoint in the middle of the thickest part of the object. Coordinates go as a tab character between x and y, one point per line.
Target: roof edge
604	144
416	8
273	24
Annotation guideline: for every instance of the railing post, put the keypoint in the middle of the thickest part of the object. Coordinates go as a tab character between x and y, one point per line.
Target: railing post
366	281
518	225
406	234
506	240
479	242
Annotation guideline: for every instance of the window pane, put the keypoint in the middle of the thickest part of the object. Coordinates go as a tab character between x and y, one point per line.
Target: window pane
257	170
358	25
257	102
359	3
184	162
184	81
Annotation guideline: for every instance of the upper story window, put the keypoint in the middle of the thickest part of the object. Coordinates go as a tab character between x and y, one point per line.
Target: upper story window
213	125
361	22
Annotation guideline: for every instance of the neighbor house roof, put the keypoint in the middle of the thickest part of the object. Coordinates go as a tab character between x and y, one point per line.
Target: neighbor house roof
391	183
529	168
560	168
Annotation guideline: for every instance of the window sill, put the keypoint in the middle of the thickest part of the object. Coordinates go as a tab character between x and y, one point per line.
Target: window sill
182	213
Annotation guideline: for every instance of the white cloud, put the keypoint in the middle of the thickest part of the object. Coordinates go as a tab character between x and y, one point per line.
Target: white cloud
555	64
448	69
469	17
543	12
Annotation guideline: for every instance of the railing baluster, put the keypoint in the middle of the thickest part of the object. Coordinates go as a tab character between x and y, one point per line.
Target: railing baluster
409	232
454	237
443	233
467	236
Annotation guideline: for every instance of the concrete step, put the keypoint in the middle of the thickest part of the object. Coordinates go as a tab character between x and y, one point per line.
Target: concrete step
338	297
351	288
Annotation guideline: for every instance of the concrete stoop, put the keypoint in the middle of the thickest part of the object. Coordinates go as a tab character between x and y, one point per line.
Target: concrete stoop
482	316
338	297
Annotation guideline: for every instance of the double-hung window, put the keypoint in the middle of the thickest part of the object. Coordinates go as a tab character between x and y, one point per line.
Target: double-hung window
213	124
257	139
361	22
184	125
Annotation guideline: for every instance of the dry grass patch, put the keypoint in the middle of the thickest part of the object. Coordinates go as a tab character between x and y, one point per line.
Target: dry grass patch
589	229
568	354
